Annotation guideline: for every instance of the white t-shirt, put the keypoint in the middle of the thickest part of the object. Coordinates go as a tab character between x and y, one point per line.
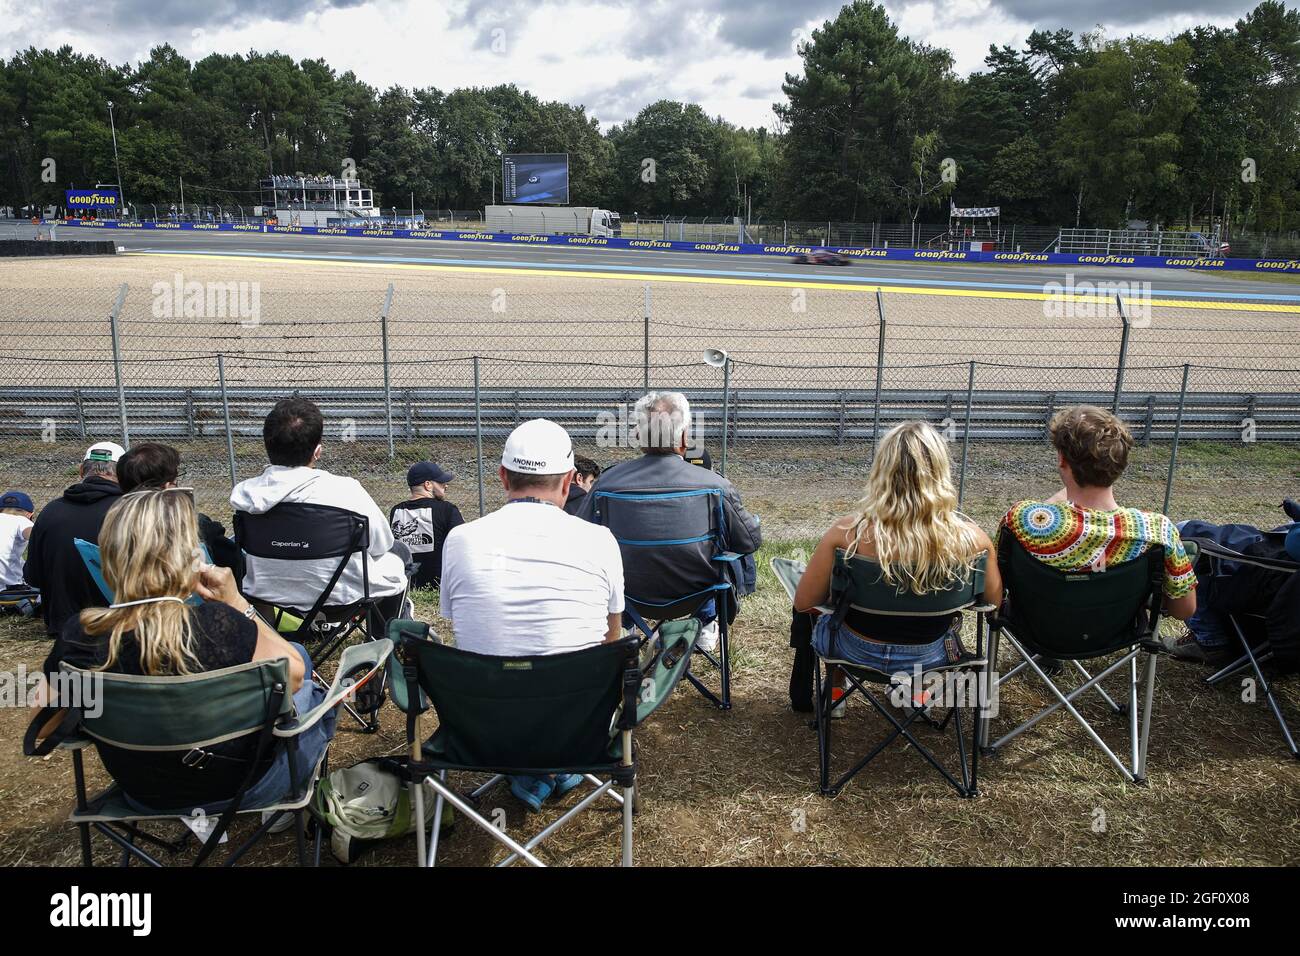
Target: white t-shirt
530	579
12	546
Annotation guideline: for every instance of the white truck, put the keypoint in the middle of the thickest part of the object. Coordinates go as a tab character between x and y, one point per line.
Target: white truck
552	220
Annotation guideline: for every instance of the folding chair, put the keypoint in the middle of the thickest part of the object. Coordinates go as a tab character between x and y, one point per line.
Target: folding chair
858	584
1080	616
1253	656
308	532
690	527
20	599
176	718
560	713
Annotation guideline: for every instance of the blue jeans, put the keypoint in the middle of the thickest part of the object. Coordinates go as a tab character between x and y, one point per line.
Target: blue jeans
888	658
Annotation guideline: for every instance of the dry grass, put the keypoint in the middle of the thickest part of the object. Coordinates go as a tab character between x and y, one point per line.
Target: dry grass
733	788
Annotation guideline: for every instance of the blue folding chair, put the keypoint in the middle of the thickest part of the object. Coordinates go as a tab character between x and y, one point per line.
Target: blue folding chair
690	570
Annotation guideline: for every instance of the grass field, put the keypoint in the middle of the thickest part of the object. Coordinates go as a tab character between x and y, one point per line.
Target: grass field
739	788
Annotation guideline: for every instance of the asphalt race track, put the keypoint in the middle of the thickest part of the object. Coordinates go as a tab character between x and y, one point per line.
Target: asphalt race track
634	264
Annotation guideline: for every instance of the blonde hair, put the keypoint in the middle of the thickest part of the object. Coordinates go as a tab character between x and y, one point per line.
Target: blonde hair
149	546
909	511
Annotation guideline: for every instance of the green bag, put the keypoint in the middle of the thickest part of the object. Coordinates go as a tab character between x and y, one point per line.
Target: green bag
366	804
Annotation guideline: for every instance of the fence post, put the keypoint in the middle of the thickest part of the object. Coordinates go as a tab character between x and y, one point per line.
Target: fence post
388	394
880	371
1123	353
225	416
478	436
117	362
646	347
1178	431
726	412
965	437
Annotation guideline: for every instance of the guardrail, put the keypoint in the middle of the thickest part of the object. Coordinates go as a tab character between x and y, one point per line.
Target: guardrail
838	416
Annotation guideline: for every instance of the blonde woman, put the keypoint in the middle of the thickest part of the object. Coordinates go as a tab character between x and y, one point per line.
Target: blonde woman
908	523
149	545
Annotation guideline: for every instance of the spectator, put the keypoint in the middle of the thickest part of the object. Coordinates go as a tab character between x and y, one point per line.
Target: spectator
154	465
148	543
585	473
908	523
292	435
16	510
1083	527
423	522
54	564
663	433
529	579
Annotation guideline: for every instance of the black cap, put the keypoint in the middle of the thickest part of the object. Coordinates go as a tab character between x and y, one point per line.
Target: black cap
423	471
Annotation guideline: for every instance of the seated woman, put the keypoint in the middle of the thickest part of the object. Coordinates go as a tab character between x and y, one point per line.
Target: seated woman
149	543
907	523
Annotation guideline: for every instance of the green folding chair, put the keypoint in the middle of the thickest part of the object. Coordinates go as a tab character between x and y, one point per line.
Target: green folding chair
548	714
176	718
1077	616
858	584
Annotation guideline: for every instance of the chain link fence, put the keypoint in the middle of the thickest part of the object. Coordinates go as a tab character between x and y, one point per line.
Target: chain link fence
799	379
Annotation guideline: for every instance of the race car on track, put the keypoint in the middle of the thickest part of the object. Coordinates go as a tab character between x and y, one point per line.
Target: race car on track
821	257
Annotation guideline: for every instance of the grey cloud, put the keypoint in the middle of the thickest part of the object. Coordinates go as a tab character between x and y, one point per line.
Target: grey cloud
154	17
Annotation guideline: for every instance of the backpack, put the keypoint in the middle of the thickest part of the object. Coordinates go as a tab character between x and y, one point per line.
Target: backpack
366	804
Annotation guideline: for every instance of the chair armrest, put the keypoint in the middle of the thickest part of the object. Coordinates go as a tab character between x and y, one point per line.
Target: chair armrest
728	556
372	654
984	608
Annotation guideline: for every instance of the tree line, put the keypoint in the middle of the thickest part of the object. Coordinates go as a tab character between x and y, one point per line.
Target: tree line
1199	127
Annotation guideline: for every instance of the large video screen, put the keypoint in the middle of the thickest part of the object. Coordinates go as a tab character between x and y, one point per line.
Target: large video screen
535	177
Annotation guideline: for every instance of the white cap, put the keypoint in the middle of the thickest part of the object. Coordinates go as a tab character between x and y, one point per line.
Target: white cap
105	451
538	447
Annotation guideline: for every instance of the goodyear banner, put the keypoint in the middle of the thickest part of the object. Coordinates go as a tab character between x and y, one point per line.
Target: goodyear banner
732	248
91	199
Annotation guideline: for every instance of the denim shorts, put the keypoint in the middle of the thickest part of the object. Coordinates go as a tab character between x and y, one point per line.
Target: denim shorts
889	658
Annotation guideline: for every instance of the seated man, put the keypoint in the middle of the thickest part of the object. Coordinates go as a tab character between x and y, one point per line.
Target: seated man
155	465
54	564
16	510
423	522
292	434
585	473
529	579
1082	526
663	433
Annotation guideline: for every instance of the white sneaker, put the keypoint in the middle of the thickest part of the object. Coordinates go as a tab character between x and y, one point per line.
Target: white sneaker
840	710
708	640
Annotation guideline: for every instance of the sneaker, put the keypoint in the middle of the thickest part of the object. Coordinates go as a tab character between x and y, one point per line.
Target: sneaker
838	703
564	782
284	823
532	792
709	639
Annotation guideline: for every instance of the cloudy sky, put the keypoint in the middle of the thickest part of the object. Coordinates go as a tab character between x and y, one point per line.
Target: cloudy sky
613	56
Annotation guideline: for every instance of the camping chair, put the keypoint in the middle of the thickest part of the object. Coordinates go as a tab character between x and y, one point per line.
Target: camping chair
690	526
1079	616
179	717
558	713
858	584
1252	657
307	532
20	599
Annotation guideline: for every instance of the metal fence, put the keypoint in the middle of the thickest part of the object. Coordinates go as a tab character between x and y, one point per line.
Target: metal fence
397	367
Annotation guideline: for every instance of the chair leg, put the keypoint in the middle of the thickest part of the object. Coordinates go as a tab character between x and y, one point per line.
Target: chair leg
822	693
300	837
1268	690
629	798
724	648
417	802
991	681
437	824
79	778
1133	716
1141	773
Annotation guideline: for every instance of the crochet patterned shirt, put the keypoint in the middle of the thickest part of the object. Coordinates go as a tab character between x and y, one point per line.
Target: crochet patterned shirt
1071	538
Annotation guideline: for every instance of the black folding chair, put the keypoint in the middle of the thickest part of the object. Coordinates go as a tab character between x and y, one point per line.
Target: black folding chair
1210	557
858	584
686	528
573	712
1079	616
320	533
